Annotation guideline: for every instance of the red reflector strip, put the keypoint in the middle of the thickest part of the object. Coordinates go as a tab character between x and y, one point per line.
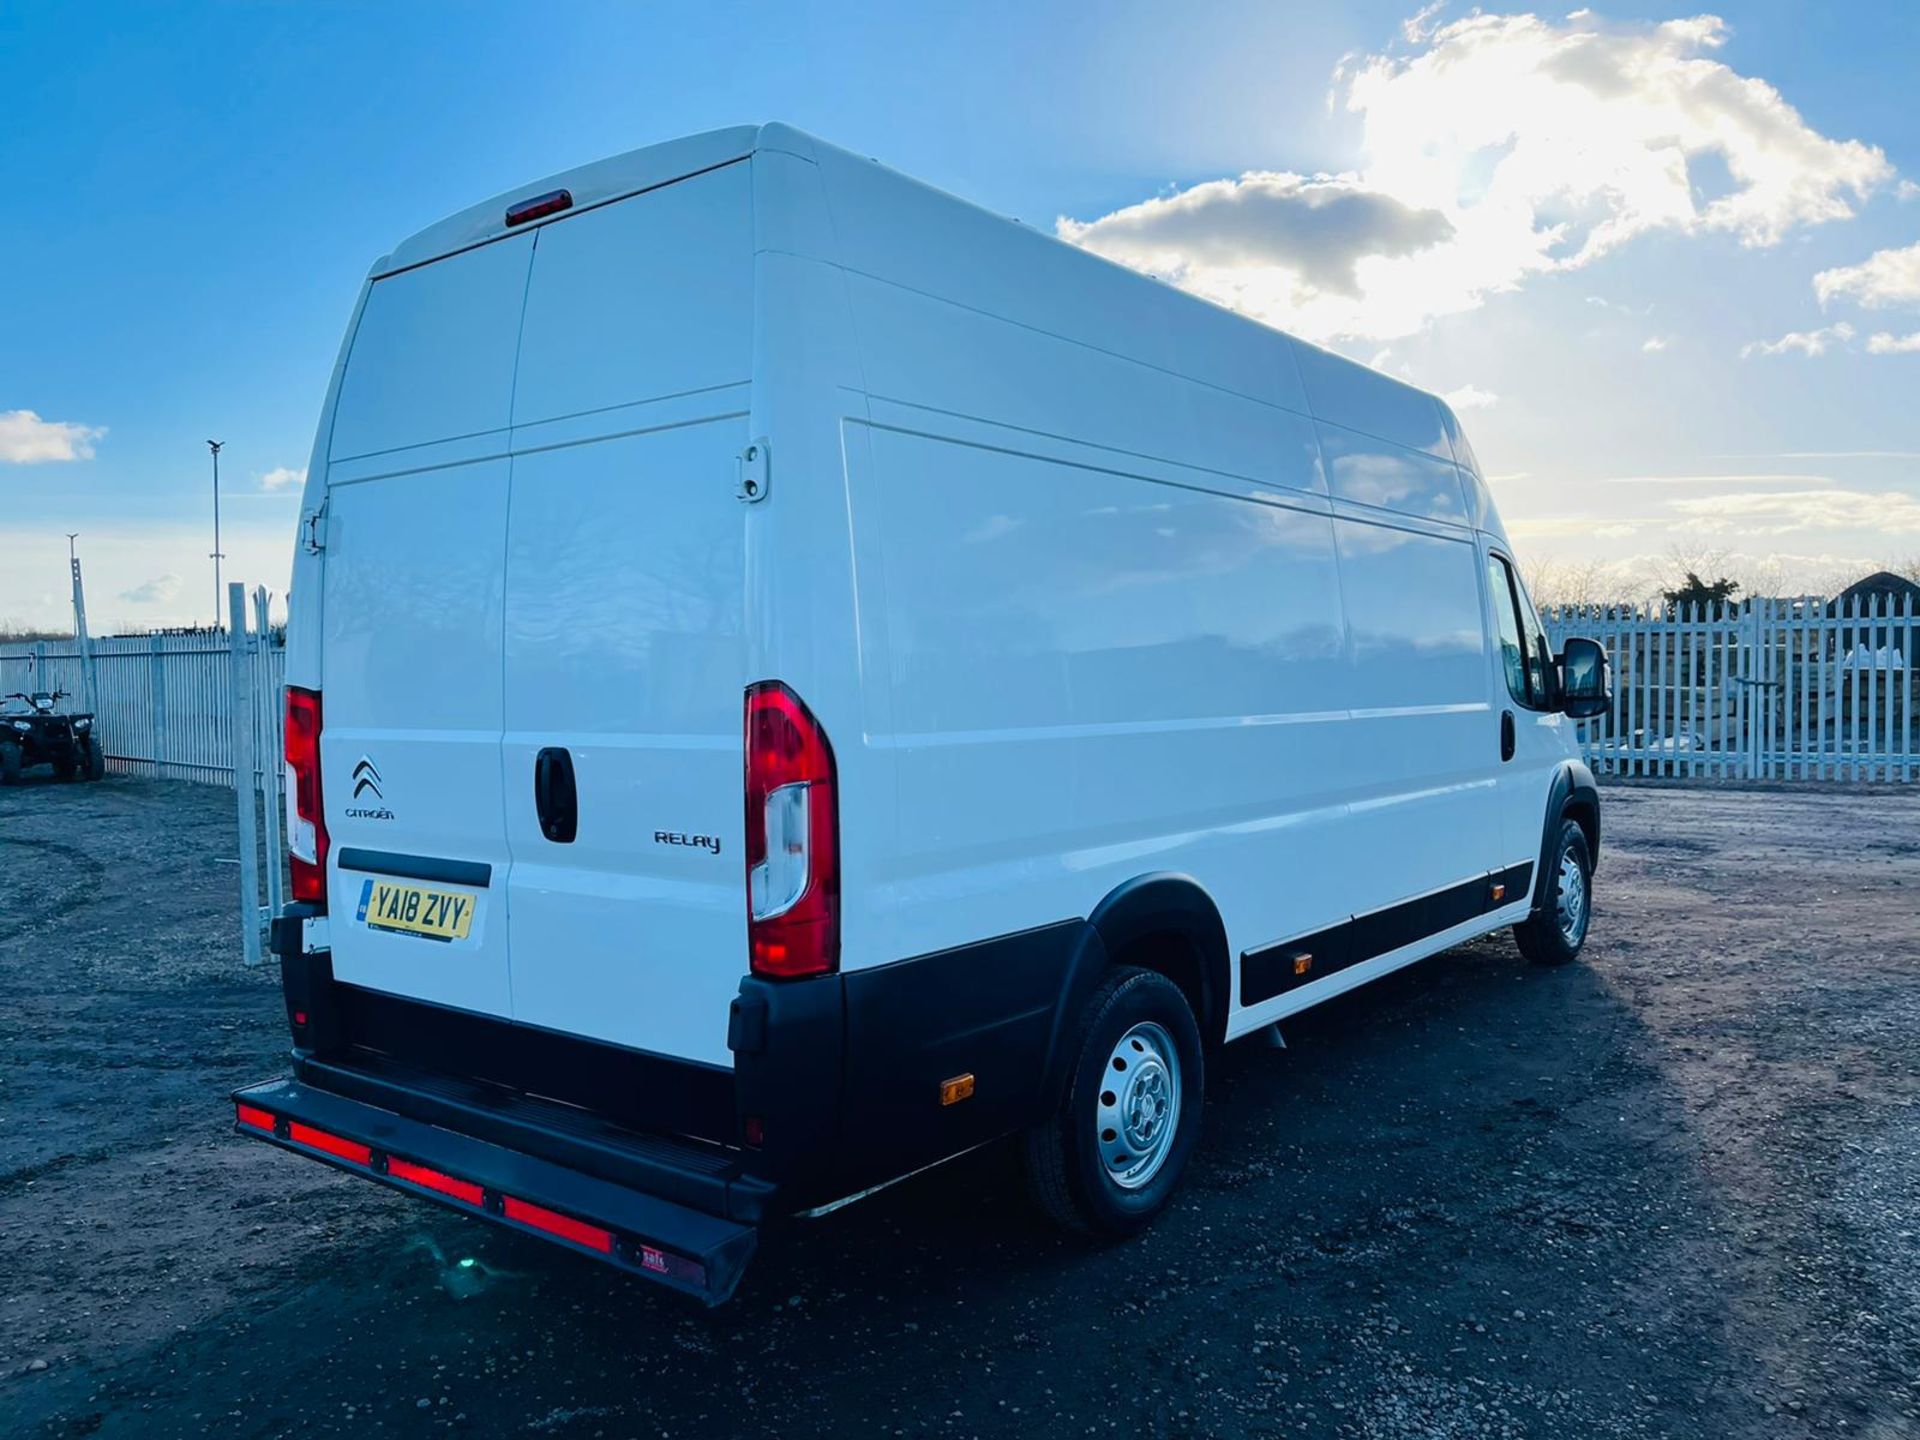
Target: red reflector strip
248	1115
565	1226
551	203
333	1145
433	1180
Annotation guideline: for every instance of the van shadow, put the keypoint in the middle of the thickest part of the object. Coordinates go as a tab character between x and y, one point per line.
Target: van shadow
1366	1210
1420	1154
1366	1083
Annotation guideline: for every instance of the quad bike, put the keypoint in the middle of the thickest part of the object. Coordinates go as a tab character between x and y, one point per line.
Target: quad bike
39	736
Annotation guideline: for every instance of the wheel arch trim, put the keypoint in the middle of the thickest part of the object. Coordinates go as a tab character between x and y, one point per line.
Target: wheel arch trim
1574	796
1169	902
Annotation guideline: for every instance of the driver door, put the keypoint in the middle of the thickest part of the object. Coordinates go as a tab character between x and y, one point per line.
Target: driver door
1530	738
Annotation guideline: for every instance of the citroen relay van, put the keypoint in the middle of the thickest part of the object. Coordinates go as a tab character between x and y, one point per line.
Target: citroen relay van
792	677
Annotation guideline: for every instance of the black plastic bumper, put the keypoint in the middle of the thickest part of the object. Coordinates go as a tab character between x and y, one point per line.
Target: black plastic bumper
682	1247
838	1084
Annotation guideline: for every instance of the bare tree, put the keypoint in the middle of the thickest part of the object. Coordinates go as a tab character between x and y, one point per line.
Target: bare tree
1558	582
13	630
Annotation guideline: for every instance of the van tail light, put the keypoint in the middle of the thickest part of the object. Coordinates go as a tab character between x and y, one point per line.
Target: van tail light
306	824
540	206
793	838
525	1212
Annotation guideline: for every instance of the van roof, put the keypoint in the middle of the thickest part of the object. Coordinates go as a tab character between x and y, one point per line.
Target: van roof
594	184
1337	390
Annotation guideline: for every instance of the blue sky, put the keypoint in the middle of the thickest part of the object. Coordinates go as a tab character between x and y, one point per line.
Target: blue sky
194	194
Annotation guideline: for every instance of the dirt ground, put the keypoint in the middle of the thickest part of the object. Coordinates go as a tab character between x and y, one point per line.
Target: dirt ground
1671	1191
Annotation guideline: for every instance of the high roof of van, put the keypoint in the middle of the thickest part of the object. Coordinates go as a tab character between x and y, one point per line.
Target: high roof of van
892	228
594	184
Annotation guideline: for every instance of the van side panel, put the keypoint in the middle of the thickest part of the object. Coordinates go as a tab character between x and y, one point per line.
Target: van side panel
1163	591
1374	472
1354	397
1423	743
893	228
1097	675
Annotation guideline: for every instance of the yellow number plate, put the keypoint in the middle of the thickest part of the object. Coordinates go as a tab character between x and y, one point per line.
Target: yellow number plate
416	910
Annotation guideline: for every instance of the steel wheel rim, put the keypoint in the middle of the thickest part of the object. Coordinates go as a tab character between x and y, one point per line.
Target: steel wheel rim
1137	1112
1570	904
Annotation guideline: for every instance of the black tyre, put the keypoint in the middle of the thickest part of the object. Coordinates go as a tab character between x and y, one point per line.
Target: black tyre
96	763
9	764
1557	929
1107	1160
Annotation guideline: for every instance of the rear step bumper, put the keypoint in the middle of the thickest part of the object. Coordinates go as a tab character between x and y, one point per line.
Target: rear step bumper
661	1239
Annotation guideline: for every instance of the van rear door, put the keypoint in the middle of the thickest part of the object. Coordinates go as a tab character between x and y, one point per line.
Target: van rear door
625	660
412	602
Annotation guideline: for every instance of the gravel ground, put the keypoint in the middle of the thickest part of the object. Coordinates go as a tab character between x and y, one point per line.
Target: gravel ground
1671	1191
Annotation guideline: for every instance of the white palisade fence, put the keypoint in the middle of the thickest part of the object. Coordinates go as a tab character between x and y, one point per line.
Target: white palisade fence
1792	689
202	706
165	706
1801	689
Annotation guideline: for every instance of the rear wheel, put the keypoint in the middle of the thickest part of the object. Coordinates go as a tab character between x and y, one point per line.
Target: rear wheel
9	764
1108	1159
1557	929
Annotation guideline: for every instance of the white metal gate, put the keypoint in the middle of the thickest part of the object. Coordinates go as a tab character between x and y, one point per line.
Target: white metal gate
257	660
1800	689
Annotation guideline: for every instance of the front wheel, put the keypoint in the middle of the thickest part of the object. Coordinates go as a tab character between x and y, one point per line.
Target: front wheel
1108	1159
9	764
1557	929
96	766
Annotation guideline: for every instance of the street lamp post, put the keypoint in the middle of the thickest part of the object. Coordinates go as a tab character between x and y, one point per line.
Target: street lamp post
216	557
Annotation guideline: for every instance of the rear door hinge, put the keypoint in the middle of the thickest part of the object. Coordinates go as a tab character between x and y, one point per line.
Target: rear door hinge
754	473
313	530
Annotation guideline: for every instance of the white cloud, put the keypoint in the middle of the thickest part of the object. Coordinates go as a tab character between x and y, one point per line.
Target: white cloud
1782	512
1265	230
1501	148
1805	342
1717	479
1654	344
1471	397
1886	277
1418	26
26	439
160	590
1573	527
1888	344
283	476
1822	455
1907	190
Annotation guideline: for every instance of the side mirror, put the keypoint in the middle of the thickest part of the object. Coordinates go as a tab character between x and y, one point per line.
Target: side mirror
1586	686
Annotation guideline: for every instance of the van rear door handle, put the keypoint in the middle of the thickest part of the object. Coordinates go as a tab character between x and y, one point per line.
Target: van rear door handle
554	795
1506	735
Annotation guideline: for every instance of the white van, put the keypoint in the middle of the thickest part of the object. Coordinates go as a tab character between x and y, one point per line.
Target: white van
792	677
